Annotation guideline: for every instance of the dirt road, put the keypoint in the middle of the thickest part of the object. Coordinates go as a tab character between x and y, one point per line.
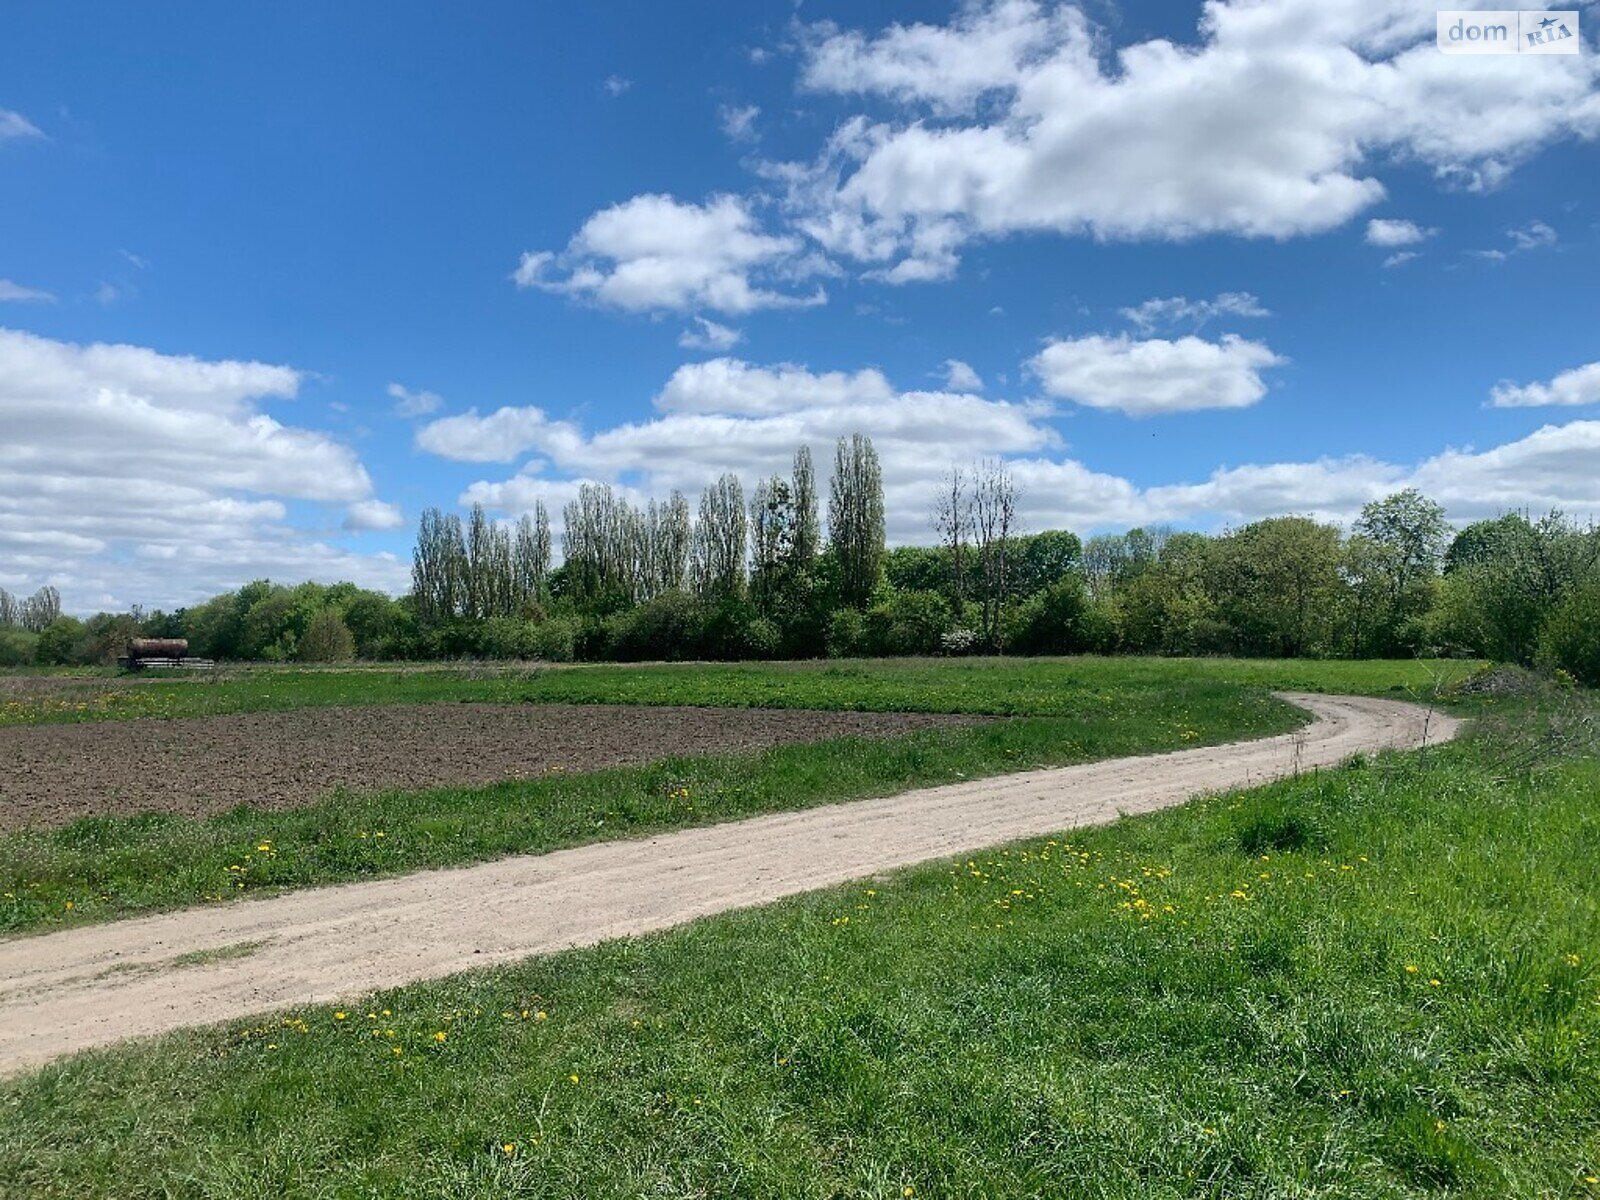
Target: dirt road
89	987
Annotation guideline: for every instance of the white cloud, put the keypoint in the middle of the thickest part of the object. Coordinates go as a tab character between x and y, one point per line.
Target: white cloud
1535	235
1180	310
119	462
616	84
654	252
727	385
502	436
24	295
1143	378
1399	258
738	122
1532	236
1017	118
734	416
982	50
413	404
366	515
709	336
16	127
1580	385
960	377
1387	232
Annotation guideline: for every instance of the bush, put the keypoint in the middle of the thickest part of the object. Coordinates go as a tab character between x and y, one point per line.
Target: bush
671	627
911	622
1054	621
555	639
326	639
17	647
507	637
847	633
58	642
1569	640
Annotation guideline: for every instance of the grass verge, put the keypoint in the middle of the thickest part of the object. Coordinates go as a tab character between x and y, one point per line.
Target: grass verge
1066	687
1374	981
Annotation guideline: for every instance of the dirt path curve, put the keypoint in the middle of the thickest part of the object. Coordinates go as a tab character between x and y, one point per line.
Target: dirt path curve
70	991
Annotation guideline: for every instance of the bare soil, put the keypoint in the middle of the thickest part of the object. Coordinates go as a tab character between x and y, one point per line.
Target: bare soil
53	774
94	986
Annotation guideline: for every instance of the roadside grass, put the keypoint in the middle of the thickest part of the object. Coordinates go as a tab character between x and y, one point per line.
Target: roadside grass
999	686
99	868
1378	980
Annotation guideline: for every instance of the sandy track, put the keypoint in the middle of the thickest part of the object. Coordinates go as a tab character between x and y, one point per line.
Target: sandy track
88	987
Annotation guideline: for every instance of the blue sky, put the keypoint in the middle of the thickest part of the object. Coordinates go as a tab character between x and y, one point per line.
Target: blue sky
647	243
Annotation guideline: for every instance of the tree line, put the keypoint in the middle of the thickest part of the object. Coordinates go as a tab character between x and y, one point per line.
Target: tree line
762	575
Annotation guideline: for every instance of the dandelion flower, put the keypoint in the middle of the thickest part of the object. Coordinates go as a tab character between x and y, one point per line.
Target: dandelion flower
509	1149
1412	968
1573	960
572	1078
339	1016
440	1036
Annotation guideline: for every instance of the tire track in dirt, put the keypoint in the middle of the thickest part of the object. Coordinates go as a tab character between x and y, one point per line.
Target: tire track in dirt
70	991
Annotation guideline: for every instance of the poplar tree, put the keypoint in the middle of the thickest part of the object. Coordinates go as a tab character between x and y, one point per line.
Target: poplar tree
855	519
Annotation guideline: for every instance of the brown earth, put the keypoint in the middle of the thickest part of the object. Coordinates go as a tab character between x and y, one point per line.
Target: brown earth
81	988
52	774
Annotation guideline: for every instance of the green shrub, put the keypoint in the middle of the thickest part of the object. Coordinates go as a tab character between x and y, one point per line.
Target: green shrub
1054	621
17	647
847	633
670	627
910	622
326	639
1569	640
555	639
59	642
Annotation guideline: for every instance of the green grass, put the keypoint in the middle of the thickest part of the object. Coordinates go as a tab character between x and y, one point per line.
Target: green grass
1007	687
104	867
1009	1025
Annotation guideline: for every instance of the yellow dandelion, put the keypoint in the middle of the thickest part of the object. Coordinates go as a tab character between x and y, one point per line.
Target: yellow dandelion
1573	960
1433	983
509	1149
1412	968
440	1036
339	1016
572	1078
541	1015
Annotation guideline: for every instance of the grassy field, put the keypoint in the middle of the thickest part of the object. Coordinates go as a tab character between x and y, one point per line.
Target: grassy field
1065	687
99	868
1376	981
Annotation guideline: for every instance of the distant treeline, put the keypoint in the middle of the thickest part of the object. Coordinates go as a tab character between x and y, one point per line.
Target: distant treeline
763	577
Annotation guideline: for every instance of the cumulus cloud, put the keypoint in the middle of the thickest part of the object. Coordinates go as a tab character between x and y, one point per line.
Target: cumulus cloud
16	127
1015	118
1153	376
365	515
707	334
729	415
501	436
960	377
413	404
1580	385
1387	232
119	460
1399	258
1180	310
654	253
15	292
